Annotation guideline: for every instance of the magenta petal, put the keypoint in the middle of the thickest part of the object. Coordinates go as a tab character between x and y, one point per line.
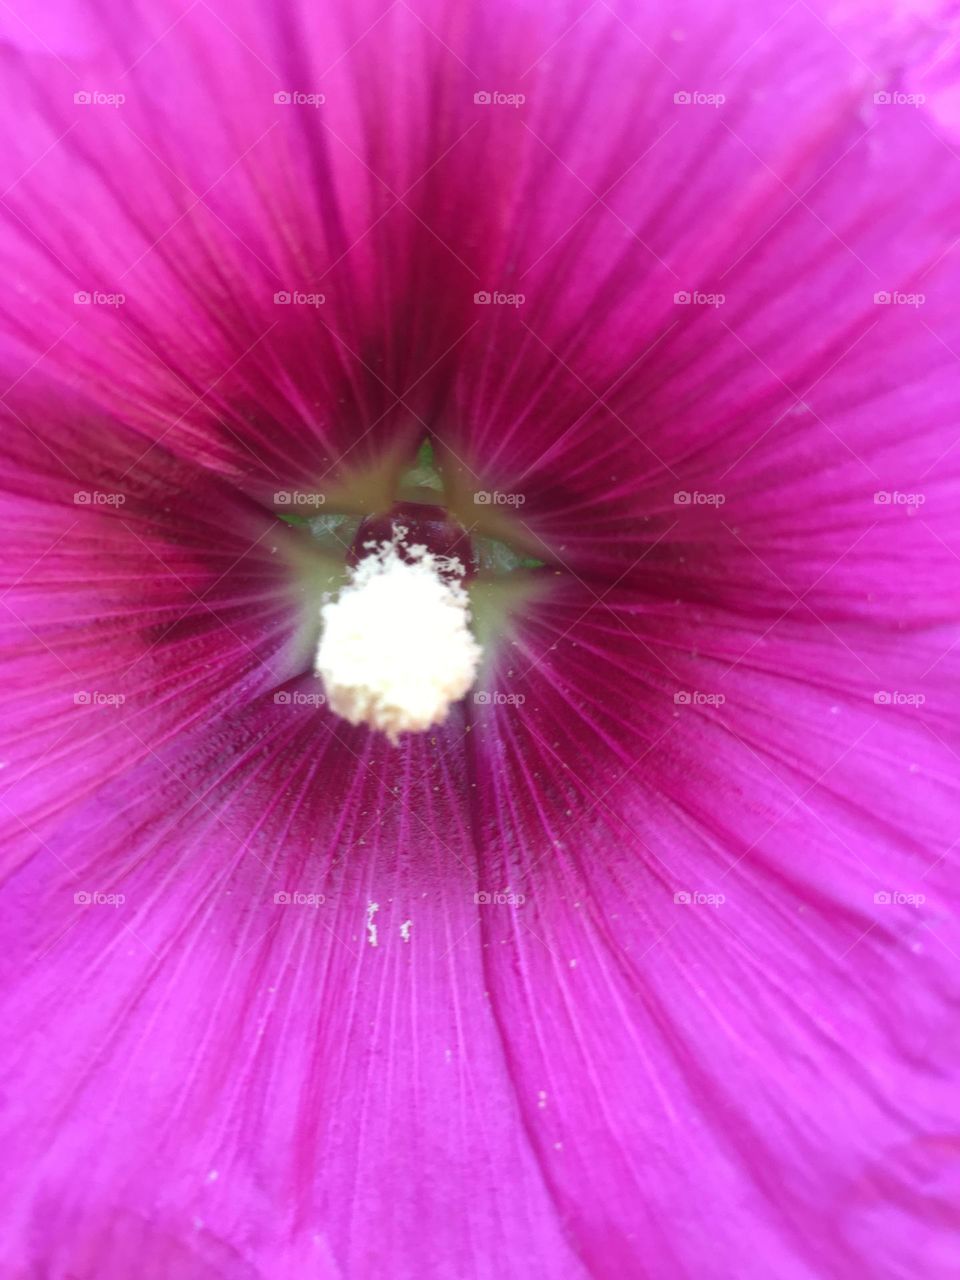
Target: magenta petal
643	965
269	1058
141	599
608	395
728	998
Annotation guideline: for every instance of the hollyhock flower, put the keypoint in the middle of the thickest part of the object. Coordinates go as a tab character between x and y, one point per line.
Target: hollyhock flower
642	959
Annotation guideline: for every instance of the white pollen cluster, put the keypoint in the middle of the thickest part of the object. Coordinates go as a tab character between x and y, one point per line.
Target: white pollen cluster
396	648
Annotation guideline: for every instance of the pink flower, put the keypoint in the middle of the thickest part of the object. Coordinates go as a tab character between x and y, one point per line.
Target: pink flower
644	964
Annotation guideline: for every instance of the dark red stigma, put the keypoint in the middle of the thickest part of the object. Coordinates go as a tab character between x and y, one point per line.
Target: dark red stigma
428	526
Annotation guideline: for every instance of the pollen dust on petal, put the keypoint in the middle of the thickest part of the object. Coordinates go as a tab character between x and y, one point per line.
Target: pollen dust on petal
372	909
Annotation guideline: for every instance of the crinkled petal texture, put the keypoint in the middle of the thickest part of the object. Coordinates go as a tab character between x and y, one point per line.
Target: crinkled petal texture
645	964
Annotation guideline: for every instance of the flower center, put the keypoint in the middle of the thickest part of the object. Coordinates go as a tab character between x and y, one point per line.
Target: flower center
396	610
396	649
